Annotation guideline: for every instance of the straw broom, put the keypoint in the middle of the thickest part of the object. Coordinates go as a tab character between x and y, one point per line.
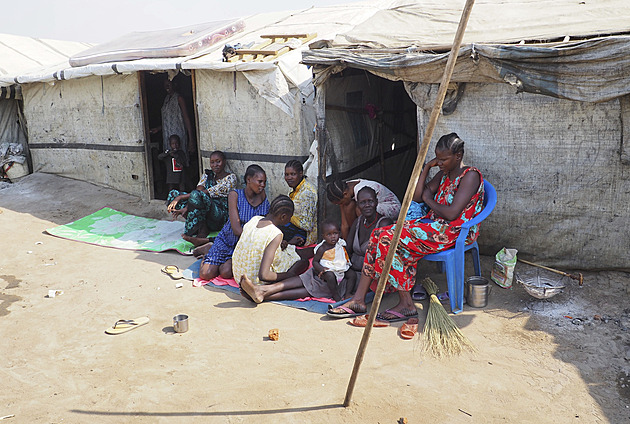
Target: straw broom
441	336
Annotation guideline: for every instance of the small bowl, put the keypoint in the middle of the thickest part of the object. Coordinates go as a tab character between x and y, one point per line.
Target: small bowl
540	286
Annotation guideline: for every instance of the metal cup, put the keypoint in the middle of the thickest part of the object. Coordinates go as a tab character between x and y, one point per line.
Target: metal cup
477	290
180	323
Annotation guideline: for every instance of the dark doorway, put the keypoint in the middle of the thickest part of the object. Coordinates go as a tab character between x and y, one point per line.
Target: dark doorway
153	92
373	128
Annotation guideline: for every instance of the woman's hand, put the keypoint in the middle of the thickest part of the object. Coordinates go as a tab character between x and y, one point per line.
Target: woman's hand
432	163
178	212
296	241
283	244
171	207
427	194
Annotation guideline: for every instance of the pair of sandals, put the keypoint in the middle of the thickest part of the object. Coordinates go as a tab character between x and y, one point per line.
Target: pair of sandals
418	295
408	330
347	312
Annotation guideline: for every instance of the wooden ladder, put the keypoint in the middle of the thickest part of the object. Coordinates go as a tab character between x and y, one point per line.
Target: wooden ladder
274	45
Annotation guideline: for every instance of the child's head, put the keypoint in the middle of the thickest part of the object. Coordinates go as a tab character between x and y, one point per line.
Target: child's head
331	232
174	142
281	209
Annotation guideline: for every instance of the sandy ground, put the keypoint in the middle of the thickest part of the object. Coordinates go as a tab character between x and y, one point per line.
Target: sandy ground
533	365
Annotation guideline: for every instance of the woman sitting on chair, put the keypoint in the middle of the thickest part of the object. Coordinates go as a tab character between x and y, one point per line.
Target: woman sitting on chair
455	195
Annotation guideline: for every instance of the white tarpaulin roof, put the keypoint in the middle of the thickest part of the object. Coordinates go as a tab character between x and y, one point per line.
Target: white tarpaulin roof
19	55
575	66
381	24
273	80
432	23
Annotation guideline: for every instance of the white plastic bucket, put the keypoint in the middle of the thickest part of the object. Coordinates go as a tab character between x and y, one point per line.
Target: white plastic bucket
16	170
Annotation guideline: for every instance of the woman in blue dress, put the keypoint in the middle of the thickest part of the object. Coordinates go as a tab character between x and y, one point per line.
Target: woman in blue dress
243	204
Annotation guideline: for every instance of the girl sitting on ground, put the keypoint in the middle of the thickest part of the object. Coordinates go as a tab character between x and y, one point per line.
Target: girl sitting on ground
257	260
260	252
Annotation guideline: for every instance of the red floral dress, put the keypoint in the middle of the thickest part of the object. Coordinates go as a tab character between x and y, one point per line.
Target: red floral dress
419	239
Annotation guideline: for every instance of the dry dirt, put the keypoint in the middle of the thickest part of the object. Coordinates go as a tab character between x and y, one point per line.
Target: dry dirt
533	364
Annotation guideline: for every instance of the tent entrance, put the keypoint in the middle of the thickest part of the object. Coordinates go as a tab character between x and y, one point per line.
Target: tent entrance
153	95
373	129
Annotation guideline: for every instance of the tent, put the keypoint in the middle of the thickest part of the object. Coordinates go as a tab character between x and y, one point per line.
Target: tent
92	121
540	94
17	55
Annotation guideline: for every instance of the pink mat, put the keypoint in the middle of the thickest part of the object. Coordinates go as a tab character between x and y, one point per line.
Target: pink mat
220	281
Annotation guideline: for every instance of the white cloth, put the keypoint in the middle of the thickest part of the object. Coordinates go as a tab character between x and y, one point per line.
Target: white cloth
335	259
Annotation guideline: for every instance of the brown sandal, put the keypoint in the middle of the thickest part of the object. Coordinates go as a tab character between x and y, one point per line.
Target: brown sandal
363	320
409	329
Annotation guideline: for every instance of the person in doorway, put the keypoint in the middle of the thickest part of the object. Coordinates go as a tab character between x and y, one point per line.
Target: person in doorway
176	120
455	195
174	158
205	208
344	194
243	204
302	230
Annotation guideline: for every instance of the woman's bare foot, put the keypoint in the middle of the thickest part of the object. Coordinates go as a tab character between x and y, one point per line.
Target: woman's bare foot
197	241
202	250
248	287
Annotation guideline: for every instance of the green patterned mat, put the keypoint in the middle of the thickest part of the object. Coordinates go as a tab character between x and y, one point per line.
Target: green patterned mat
111	228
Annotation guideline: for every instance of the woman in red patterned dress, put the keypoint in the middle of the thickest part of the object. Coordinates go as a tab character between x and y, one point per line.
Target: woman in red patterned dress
455	195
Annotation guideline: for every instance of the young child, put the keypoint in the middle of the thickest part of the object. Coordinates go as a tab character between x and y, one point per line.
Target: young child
175	160
331	263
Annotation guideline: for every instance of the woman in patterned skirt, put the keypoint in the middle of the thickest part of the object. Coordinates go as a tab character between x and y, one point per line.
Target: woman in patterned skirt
206	207
455	195
243	205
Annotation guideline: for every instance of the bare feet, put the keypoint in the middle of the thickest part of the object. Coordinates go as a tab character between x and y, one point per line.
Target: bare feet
248	287
201	251
197	241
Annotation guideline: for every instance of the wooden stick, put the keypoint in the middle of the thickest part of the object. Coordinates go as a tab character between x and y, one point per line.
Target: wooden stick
579	277
411	188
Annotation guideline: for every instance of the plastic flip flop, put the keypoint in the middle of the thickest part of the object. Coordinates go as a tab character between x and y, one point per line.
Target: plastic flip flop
397	316
347	312
173	272
124	325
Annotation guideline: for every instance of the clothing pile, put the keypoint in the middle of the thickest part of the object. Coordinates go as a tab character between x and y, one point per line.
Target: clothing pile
11	154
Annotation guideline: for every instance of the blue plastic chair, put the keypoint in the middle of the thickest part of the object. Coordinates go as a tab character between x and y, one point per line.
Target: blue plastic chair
453	259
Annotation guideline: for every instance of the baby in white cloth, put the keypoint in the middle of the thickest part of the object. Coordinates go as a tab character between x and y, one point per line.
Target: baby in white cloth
332	264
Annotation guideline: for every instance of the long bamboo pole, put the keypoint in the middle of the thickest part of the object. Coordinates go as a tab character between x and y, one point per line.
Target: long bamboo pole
411	188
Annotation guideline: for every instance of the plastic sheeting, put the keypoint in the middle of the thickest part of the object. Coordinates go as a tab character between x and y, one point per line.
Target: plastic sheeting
594	70
20	55
276	81
433	23
558	167
10	122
